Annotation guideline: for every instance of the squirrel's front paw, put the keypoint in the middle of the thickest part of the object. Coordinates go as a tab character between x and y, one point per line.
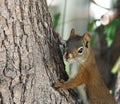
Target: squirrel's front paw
58	85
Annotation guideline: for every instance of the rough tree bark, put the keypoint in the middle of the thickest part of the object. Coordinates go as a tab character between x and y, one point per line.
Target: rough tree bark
30	58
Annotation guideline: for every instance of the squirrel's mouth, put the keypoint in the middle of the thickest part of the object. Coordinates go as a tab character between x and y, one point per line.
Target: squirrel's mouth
74	59
69	60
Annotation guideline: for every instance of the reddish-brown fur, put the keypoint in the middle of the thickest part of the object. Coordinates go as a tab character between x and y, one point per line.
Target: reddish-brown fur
89	75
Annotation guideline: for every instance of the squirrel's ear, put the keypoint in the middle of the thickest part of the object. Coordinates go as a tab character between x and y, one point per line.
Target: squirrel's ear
86	38
72	33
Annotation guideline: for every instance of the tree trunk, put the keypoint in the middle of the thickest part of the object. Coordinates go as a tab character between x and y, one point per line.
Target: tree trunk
30	58
115	49
117	89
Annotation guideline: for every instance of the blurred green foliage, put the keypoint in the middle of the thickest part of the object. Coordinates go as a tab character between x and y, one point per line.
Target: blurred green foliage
91	25
67	67
56	18
116	66
110	30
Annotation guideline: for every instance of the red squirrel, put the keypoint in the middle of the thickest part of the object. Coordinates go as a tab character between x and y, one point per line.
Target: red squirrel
77	49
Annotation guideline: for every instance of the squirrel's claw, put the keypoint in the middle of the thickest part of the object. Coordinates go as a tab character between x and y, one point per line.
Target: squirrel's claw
58	85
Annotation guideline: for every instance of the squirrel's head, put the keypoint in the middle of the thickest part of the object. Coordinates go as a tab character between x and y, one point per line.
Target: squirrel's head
77	48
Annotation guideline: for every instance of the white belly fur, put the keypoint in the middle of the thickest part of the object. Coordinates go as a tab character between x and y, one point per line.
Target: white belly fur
81	89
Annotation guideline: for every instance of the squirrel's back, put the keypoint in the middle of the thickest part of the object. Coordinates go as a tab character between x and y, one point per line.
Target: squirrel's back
98	93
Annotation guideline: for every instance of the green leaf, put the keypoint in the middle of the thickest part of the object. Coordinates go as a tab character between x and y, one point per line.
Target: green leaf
116	66
91	25
56	18
67	67
110	30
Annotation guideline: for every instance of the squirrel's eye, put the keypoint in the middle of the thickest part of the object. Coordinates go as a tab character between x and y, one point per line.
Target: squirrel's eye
80	50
